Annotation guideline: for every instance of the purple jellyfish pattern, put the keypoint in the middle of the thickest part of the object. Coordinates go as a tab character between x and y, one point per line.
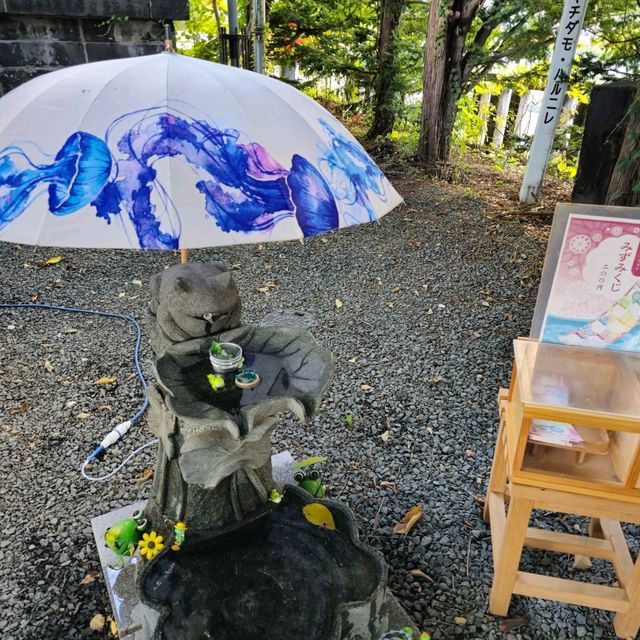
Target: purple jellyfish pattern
244	189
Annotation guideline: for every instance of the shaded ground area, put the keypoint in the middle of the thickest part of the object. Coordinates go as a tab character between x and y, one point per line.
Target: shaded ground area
431	299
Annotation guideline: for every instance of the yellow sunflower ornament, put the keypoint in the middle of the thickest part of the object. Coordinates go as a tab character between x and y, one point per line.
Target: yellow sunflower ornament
150	545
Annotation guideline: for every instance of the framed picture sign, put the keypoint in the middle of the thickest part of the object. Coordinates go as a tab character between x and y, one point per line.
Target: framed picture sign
590	290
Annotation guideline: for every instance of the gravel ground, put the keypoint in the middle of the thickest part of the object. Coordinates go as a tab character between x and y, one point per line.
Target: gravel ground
432	297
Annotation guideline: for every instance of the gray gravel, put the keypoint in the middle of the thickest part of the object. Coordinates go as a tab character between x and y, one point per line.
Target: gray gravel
432	297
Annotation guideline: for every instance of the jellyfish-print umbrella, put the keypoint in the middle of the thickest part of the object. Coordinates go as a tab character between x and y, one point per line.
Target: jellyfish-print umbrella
168	152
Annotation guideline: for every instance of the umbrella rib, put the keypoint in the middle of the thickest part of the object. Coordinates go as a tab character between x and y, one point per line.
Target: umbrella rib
84	116
169	56
37	97
138	61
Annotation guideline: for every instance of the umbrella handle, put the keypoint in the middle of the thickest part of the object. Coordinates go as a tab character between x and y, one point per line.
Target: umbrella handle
184	256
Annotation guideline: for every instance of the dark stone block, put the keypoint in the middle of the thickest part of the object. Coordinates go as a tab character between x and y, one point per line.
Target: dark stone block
124	31
33	28
174	9
41	54
109	50
156	9
603	134
11	78
80	8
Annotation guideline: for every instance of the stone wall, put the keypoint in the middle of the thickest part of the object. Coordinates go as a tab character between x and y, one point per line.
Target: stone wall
37	36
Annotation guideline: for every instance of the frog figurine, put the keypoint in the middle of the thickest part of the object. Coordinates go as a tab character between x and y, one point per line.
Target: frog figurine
311	482
122	537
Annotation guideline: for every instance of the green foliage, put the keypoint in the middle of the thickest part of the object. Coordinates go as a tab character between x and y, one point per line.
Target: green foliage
198	36
335	38
468	124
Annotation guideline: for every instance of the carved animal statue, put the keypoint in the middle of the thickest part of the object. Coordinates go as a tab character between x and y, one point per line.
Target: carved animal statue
191	301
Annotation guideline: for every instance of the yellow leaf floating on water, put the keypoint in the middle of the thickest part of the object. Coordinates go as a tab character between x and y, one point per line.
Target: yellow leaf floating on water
319	515
105	380
54	260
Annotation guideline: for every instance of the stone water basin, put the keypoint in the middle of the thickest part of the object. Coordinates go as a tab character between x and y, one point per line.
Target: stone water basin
291	365
275	576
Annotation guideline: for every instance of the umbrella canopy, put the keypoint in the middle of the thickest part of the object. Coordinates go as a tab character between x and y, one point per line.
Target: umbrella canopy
168	152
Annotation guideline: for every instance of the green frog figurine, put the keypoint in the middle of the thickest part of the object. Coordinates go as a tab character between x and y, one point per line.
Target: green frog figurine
123	537
311	482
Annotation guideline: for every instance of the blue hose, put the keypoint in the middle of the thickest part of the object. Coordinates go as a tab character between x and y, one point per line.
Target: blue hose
136	358
106	314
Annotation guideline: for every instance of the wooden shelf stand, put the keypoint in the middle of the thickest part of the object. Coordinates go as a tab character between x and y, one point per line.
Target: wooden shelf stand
599	484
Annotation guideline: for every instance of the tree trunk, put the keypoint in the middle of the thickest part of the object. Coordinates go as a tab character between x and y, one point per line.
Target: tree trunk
386	85
449	24
624	188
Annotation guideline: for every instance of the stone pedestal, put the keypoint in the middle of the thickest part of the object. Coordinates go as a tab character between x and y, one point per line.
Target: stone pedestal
259	560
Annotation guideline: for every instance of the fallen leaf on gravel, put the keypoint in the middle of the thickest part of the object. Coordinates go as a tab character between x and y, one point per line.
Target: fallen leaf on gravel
306	462
352	360
71	403
460	620
484	303
508	624
429	312
47	365
338	303
121	294
366	388
388	485
97	622
131	376
147	474
411	517
34	297
106	407
105	380
582	563
384	436
65	383
138	283
54	260
267	288
90	578
70	330
416	573
113	627
83	415
390	305
323	240
23	408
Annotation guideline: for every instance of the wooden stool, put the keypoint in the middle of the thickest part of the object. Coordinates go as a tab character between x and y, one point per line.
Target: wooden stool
510	533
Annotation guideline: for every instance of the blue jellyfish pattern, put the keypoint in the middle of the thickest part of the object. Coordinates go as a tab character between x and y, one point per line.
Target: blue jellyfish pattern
77	175
243	188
